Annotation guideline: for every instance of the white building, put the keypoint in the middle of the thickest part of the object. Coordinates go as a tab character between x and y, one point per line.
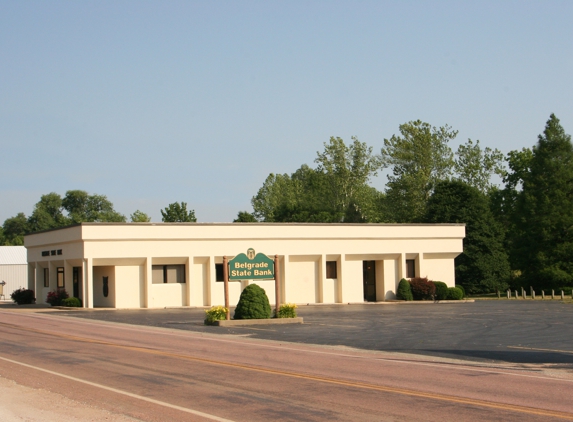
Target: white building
149	265
13	268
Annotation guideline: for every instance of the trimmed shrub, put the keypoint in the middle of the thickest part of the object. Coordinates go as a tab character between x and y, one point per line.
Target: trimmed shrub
71	302
455	293
287	310
23	296
404	290
216	313
459	286
253	304
441	290
55	297
422	288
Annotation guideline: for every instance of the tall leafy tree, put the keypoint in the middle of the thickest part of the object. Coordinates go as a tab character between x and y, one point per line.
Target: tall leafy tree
279	191
476	166
543	250
47	213
347	169
177	213
419	158
14	229
483	267
82	207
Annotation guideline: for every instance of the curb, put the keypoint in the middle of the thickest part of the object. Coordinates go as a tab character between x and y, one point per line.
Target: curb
270	321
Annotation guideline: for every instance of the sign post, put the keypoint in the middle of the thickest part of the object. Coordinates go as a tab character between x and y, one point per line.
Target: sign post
226	280
277	286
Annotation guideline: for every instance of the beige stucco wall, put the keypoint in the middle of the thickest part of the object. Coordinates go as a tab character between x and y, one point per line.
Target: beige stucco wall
125	252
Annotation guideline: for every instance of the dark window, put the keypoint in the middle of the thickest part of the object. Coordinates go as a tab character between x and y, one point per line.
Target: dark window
410	268
59	251
60	278
53	252
161	274
219	276
45	253
331	271
46	277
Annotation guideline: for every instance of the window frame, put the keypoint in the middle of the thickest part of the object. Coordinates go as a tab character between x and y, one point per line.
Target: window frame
60	271
180	273
47	277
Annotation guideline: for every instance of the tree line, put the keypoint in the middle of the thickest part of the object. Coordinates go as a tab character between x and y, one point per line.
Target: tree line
519	232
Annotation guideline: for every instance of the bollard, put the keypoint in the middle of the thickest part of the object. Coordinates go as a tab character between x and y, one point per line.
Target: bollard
516	295
533	294
542	294
531	290
562	295
498	294
552	294
524	294
509	294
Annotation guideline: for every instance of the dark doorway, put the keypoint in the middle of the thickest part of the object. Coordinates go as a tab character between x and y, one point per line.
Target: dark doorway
76	276
369	272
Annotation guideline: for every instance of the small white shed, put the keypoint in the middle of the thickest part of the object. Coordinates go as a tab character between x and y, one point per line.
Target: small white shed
13	268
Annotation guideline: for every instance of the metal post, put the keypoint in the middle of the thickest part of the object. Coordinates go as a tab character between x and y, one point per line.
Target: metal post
562	295
516	295
508	294
226	279
277	286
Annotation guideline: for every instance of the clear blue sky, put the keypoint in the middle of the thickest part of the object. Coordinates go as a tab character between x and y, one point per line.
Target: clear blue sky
152	102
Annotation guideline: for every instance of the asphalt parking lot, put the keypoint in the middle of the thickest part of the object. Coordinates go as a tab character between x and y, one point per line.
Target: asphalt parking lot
525	332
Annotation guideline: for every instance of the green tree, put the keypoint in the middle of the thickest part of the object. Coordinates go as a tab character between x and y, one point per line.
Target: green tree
279	191
475	166
177	213
347	171
47	213
419	158
543	249
82	207
139	217
245	217
483	267
14	229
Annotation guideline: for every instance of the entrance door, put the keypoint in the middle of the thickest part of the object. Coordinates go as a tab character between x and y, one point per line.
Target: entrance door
76	276
369	272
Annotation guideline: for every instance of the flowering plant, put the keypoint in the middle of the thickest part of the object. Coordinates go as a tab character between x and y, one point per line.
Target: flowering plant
216	313
287	310
55	297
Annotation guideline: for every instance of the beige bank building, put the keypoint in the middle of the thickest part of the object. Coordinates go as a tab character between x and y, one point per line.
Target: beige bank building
157	265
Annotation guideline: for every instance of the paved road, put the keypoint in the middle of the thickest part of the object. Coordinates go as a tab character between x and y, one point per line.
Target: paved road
157	374
524	332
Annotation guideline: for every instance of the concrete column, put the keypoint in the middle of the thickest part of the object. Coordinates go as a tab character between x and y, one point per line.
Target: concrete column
421	268
321	278
339	284
284	278
84	283
148	280
89	283
401	267
188	280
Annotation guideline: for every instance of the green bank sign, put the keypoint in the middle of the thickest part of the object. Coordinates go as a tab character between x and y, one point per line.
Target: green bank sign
251	266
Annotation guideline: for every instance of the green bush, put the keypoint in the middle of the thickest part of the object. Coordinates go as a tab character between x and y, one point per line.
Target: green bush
455	293
287	310
404	290
216	313
441	290
422	288
71	302
23	296
459	286
253	304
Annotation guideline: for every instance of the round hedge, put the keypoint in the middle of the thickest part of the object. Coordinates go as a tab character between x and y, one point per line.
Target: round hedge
455	293
253	304
404	290
441	290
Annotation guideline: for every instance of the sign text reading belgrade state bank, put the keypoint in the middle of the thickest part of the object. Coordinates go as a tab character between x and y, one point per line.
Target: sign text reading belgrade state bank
251	267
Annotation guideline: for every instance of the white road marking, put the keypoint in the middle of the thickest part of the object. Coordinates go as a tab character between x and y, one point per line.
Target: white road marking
125	393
